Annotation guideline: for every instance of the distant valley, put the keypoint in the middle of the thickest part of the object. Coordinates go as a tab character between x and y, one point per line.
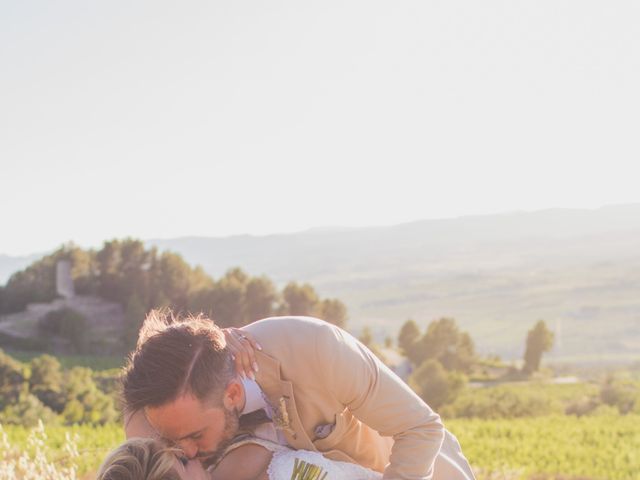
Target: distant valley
496	275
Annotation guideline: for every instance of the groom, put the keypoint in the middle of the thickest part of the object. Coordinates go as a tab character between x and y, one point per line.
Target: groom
321	389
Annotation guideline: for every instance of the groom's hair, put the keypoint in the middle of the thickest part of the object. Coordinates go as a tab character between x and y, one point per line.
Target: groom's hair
175	356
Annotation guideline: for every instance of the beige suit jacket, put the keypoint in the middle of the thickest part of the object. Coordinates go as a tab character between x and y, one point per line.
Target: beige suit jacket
325	376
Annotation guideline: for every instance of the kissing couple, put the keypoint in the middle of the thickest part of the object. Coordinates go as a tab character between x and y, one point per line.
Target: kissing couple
314	404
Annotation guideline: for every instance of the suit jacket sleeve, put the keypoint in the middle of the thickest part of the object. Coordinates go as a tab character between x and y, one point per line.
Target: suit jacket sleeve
380	399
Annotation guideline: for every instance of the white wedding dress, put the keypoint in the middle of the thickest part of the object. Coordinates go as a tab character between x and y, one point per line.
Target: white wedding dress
288	464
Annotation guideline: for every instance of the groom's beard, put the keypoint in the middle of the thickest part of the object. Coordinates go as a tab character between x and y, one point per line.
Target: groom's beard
231	426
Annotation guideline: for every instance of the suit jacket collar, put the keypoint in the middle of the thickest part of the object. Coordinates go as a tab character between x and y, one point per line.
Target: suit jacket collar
275	388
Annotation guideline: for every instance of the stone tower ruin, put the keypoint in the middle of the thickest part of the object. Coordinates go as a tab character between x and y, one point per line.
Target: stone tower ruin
64	282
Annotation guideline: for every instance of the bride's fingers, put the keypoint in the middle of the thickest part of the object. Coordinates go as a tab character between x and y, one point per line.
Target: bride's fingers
249	338
237	351
244	356
247	353
242	347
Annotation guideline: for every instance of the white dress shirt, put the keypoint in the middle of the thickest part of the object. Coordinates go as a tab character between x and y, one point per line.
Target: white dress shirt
256	400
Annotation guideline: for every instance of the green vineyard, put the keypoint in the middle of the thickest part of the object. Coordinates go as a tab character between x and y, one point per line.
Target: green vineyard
604	447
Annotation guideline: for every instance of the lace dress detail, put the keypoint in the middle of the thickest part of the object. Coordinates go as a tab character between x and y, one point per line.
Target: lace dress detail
288	464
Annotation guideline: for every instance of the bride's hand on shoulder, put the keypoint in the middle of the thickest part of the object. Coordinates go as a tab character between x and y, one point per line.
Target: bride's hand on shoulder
243	348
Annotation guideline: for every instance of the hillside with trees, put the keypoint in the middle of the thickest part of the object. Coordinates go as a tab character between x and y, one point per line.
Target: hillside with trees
138	279
495	274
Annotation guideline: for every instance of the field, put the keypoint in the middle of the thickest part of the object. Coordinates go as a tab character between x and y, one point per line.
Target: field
603	447
94	362
557	447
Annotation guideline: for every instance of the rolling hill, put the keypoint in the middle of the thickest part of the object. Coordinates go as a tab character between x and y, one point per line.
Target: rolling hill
577	269
496	275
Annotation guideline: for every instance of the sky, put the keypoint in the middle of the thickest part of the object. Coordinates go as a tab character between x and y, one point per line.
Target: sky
165	119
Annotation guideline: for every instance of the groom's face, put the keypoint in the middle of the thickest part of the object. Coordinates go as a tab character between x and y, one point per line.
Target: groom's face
198	428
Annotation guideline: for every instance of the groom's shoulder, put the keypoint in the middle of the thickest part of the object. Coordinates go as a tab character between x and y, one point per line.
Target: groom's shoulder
292	330
286	324
299	345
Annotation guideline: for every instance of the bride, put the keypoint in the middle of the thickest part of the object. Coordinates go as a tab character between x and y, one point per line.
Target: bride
264	460
246	458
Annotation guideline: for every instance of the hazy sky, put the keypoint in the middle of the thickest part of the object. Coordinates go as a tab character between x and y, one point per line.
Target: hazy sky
162	119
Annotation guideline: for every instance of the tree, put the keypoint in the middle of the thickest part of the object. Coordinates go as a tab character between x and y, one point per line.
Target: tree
228	299
46	381
108	263
465	354
444	342
36	283
260	298
539	340
435	385
12	378
237	275
334	311
300	299
46	373
133	317
85	403
84	270
132	271
201	301
366	337
407	338
174	276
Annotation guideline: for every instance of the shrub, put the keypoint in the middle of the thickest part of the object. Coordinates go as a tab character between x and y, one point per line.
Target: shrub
27	411
85	402
622	393
435	385
46	381
582	406
503	402
12	378
67	324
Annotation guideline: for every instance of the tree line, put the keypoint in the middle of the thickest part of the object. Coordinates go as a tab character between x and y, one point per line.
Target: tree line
443	361
443	358
42	389
140	279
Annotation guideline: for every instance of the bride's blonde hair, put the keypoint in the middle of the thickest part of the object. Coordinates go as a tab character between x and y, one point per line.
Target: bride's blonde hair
139	459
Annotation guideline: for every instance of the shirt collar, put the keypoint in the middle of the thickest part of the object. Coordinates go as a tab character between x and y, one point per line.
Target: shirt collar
254	399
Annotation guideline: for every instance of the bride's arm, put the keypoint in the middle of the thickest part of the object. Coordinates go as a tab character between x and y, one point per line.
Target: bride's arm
248	462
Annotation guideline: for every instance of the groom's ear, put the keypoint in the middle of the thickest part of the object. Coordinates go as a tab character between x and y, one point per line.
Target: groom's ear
233	398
